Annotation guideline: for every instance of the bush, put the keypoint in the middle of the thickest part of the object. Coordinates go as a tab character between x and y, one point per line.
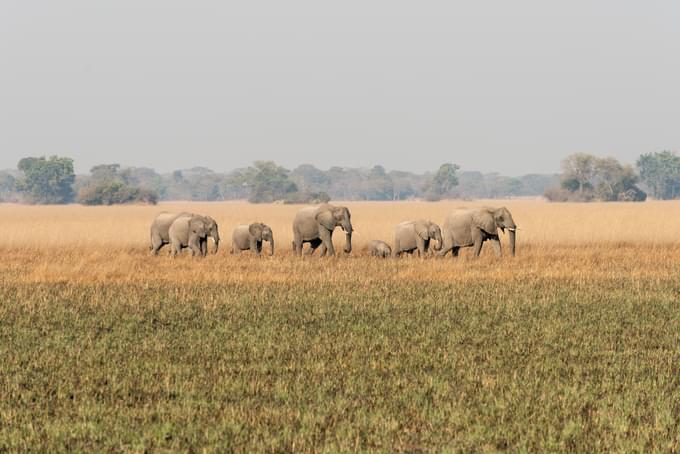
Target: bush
115	192
564	195
306	197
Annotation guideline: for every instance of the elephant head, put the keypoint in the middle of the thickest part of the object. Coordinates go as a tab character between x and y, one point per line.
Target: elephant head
428	230
212	231
198	233
262	232
330	217
490	220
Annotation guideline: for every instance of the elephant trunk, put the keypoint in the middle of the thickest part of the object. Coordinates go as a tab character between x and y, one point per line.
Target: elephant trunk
271	245
440	243
513	237
348	242
216	240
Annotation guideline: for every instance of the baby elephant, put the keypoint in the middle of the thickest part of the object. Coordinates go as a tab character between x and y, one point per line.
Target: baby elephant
379	248
411	236
188	231
250	237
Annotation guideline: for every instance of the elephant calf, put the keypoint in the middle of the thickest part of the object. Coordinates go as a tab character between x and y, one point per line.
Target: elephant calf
410	236
377	248
250	237
188	231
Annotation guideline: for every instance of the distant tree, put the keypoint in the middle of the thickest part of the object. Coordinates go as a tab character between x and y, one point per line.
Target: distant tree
310	179
443	182
46	180
661	173
7	186
589	178
269	182
578	171
107	186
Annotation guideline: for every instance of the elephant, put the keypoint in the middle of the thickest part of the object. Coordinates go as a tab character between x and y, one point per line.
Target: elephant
160	228
160	231
251	237
188	230
472	227
410	236
379	248
212	230
315	225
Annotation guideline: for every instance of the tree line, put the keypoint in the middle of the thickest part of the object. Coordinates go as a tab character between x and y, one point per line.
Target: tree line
52	180
588	178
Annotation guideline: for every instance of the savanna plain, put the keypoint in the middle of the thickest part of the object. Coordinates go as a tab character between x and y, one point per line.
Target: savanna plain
574	344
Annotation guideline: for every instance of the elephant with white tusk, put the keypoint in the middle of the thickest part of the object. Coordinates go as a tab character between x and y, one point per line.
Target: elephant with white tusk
411	236
377	248
315	225
472	227
188	231
250	237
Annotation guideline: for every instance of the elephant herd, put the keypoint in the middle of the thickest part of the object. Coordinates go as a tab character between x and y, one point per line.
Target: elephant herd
315	226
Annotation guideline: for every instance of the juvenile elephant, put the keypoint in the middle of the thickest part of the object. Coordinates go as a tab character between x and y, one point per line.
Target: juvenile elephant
251	237
315	225
472	227
160	231
212	231
410	236
379	248
188	230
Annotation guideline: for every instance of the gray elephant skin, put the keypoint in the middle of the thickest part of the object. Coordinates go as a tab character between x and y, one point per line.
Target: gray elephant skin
188	231
472	227
160	231
377	248
250	237
315	225
411	236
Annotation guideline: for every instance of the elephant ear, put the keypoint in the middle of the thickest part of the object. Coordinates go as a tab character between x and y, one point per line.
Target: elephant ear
422	230
256	230
485	221
326	219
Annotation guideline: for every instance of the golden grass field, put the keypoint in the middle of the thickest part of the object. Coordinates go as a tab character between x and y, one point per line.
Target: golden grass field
571	346
566	241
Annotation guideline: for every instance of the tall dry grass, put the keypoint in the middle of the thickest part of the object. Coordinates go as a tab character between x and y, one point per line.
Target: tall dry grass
576	241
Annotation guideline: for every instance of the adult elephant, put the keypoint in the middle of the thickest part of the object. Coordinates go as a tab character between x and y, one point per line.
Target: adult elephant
188	231
315	225
472	227
250	237
160	231
410	236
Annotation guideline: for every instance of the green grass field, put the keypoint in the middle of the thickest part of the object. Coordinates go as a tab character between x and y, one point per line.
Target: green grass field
537	365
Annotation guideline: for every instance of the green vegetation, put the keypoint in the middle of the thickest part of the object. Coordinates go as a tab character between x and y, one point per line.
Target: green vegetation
107	185
661	173
46	180
541	365
587	178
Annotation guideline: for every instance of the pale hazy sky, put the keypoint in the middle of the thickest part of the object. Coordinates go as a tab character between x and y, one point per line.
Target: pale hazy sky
508	86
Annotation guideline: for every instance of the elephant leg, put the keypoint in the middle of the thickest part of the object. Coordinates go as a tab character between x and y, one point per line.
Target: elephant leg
327	239
253	246
497	246
422	247
156	244
454	252
297	243
204	247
